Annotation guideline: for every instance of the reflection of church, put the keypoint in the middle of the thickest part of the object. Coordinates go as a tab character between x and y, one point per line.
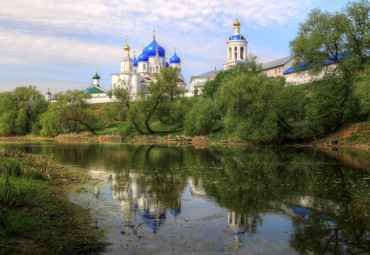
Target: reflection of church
137	201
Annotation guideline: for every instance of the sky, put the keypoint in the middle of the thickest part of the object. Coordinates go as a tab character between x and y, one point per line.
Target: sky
58	44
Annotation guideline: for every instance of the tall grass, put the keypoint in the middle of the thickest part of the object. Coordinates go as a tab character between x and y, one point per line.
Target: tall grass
9	194
13	168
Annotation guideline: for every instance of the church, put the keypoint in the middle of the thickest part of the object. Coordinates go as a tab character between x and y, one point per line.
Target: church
136	73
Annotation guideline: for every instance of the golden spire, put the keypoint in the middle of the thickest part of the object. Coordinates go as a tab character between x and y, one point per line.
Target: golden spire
236	23
175	49
153	34
134	53
96	69
127	47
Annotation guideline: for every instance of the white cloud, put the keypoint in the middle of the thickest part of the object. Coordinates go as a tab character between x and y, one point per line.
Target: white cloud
82	33
115	16
20	48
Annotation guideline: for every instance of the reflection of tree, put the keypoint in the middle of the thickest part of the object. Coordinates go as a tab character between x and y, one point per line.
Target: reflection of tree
318	234
247	181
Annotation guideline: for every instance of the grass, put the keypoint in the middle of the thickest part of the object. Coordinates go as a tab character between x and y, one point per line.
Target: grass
9	194
36	216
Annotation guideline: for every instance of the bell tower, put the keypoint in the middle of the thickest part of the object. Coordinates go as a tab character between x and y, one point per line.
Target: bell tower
236	48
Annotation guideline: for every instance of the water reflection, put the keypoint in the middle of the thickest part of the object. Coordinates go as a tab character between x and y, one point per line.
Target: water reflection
222	200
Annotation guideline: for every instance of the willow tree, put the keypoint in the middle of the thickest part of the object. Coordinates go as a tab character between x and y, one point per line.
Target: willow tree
156	103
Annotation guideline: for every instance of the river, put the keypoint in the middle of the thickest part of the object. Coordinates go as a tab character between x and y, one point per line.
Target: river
234	200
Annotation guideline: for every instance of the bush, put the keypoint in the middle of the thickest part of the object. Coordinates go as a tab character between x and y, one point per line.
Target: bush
201	118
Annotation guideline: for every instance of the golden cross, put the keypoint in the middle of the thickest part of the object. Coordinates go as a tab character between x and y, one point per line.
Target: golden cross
153	33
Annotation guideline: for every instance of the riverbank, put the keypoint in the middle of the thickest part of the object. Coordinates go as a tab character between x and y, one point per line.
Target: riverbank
36	216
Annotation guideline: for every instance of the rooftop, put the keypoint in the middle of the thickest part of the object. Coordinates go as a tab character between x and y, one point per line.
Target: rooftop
275	63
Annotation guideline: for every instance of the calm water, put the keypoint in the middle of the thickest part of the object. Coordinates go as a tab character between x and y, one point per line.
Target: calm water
181	200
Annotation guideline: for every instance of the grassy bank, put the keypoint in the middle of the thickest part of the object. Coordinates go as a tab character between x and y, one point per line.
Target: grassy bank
36	216
351	135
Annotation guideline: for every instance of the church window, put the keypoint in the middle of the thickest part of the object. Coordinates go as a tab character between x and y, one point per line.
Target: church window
275	70
241	52
236	53
279	70
230	53
144	67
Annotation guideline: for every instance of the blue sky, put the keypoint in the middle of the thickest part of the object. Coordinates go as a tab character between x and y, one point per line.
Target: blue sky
59	43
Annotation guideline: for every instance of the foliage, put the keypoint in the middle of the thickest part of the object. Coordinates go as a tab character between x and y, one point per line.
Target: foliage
260	108
342	38
210	87
362	92
19	110
201	118
328	98
160	100
69	113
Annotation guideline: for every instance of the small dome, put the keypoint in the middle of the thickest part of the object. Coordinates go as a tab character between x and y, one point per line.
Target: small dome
96	76
167	65
236	23
135	61
143	57
150	50
175	59
237	37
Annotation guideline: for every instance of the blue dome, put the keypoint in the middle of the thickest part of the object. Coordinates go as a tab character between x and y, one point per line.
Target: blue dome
150	50
175	59
143	57
167	65
135	61
237	37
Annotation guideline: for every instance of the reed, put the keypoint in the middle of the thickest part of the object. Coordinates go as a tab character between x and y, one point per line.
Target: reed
11	152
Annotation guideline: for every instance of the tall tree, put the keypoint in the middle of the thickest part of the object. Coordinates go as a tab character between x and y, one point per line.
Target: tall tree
20	109
155	104
68	113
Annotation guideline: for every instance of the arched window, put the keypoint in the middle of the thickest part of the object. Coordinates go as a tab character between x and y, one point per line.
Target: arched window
144	67
241	52
236	52
230	53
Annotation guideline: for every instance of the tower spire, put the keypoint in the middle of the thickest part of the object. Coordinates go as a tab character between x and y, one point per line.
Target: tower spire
153	34
127	47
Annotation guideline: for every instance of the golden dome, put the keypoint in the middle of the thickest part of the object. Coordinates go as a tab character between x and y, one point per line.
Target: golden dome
127	48
236	23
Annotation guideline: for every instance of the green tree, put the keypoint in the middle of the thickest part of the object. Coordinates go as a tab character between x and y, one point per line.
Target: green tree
19	110
341	38
201	118
156	103
69	113
210	87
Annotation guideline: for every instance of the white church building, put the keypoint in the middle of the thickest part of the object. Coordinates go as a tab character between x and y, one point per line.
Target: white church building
134	73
